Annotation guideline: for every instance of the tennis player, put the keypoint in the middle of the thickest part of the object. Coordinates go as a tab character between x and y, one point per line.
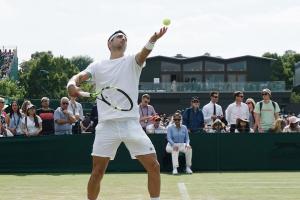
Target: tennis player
116	126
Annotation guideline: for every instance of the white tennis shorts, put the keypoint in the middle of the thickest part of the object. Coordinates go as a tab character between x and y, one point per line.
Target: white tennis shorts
110	134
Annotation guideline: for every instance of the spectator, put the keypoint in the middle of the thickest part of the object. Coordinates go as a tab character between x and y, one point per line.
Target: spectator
251	105
193	117
76	109
4	132
266	112
178	141
146	111
24	107
63	119
243	126
94	116
212	110
14	119
236	110
156	128
47	115
293	126
87	124
31	123
217	127
278	126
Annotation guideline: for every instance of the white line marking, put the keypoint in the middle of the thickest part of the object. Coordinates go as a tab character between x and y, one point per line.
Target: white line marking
183	191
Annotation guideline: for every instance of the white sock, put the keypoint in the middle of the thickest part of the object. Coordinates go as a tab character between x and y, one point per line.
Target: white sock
155	198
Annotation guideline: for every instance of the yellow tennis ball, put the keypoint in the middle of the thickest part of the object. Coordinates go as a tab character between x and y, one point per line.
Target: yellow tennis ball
166	22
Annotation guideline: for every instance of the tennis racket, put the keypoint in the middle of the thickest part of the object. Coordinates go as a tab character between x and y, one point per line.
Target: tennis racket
112	96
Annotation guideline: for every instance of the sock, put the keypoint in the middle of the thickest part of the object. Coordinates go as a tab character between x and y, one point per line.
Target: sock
155	198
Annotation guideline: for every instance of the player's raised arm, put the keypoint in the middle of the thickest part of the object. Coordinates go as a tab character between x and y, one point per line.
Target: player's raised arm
74	83
143	54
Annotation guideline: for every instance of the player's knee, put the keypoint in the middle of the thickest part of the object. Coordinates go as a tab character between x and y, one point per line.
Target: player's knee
154	167
98	173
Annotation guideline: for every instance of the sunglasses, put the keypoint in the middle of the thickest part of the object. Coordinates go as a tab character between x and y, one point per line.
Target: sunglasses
1	101
264	94
241	96
65	103
248	103
215	97
176	119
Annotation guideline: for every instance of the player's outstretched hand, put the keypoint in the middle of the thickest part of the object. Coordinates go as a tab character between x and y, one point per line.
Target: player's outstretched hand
158	35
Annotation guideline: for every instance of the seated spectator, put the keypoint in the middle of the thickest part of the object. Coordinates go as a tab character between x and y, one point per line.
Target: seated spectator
4	132
14	119
193	117
293	126
47	115
63	119
179	141
156	128
217	127
278	126
24	107
94	116
87	124
243	126
31	123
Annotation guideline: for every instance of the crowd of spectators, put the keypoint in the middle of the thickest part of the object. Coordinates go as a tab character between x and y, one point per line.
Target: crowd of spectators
6	57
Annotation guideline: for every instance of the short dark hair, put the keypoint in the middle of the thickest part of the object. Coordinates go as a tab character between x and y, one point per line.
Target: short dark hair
237	93
212	93
119	31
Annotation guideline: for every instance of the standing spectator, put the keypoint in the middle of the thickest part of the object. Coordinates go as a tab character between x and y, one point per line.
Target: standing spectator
94	117
193	117
63	119
47	115
31	123
146	111
156	128
236	110
212	110
76	109
179	141
278	126
3	122
266	112
251	105
14	119
293	126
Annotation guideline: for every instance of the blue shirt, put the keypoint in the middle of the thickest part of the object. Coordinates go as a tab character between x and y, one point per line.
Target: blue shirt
177	135
194	120
58	114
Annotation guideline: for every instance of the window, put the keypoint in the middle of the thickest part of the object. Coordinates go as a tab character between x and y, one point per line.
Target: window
192	78
170	67
214	78
236	78
237	66
193	67
213	66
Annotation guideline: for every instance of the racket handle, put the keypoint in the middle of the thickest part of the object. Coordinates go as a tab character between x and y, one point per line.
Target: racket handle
85	94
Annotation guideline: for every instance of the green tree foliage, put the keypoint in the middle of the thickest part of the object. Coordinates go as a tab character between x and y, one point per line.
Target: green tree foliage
46	75
81	62
283	67
10	89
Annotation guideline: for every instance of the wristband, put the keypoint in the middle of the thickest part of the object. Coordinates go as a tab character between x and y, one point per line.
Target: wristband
149	46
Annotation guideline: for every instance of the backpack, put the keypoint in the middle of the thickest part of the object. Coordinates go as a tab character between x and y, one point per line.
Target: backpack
261	104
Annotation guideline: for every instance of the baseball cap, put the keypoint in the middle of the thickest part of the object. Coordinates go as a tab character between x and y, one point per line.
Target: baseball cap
266	90
146	96
44	99
195	98
293	119
30	106
156	118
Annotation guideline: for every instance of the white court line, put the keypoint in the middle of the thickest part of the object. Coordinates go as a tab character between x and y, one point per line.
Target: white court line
183	191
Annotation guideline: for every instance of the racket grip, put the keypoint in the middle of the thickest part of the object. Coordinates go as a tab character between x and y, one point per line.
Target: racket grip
85	94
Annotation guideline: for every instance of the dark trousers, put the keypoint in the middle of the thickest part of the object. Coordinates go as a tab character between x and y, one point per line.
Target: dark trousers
232	128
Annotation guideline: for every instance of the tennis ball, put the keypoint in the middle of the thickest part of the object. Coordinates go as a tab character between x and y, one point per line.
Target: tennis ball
166	22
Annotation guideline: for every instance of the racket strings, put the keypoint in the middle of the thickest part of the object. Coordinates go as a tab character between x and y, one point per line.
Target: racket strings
116	98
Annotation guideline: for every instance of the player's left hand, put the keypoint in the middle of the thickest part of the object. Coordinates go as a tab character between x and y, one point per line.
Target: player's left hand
158	35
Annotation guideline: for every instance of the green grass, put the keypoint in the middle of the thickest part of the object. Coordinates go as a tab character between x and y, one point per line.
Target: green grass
200	186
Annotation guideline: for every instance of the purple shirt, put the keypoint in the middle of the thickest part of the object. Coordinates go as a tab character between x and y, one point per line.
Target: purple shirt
146	111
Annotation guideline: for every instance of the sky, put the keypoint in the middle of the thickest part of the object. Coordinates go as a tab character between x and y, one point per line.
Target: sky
226	28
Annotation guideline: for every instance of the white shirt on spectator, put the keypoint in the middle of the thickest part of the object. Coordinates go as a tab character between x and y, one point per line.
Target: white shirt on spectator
235	111
159	130
208	111
31	125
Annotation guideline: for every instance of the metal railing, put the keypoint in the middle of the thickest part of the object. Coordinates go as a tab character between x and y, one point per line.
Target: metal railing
274	86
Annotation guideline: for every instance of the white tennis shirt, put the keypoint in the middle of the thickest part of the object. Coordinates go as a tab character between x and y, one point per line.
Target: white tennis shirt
123	73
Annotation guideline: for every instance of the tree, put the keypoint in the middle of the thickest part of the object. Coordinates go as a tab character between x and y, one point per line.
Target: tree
9	89
46	75
81	62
